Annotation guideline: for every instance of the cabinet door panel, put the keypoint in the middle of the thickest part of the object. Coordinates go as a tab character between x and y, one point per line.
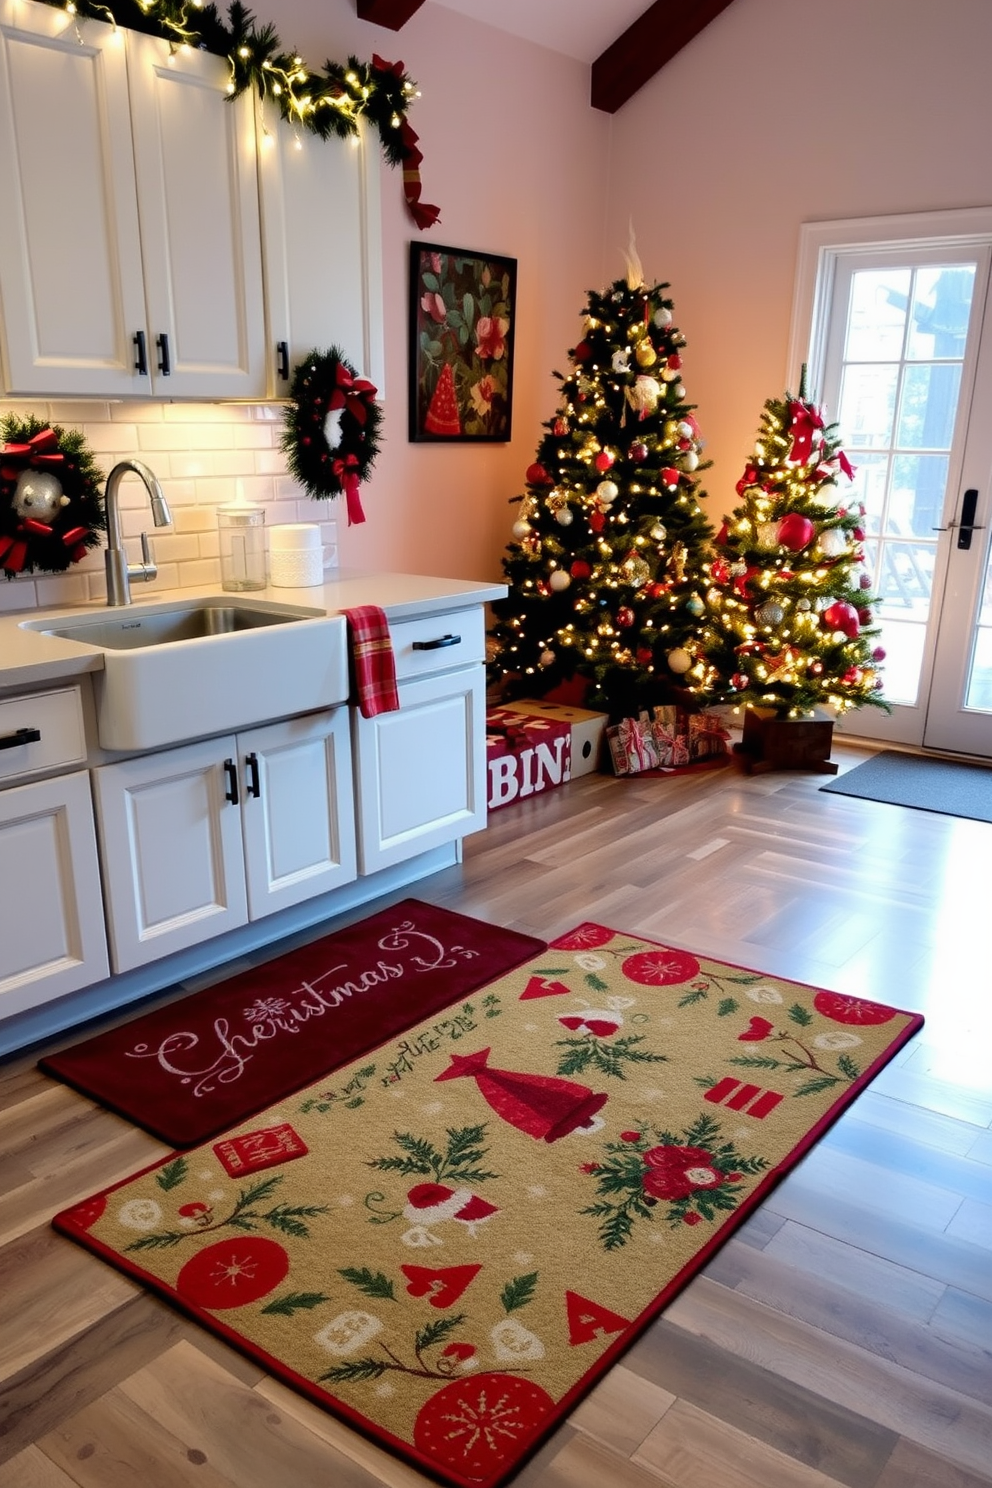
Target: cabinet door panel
421	770
198	207
172	851
70	256
300	829
323	257
52	938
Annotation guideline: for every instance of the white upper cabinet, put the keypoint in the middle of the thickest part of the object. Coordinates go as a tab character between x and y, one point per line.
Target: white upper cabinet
129	236
321	233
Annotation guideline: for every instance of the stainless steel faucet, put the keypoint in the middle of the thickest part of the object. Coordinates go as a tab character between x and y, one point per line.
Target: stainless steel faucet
119	571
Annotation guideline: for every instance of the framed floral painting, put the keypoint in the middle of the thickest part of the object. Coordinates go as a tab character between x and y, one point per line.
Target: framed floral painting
461	343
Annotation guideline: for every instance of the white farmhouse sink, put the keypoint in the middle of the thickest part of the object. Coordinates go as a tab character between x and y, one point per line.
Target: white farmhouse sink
179	671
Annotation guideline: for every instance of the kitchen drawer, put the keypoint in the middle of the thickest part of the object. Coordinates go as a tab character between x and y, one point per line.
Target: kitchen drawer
56	717
436	643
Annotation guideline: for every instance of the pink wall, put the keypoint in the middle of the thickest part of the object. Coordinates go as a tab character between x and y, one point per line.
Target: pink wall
783	112
518	163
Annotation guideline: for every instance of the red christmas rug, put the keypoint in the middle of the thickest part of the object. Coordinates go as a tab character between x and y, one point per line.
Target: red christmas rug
194	1068
448	1241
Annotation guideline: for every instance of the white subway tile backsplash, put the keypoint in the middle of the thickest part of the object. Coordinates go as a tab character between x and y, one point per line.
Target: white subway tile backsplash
204	455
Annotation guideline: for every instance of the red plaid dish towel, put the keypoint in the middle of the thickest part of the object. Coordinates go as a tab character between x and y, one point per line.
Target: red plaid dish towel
373	666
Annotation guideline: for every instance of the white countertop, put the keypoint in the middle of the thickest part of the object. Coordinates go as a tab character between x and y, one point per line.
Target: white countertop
29	656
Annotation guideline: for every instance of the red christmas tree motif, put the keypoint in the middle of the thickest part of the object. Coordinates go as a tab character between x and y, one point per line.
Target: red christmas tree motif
544	1106
442	415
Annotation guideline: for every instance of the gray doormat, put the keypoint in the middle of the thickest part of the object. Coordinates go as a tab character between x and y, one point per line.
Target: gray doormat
927	784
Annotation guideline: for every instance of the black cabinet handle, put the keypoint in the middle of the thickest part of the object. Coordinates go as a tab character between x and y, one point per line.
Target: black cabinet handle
231	794
253	788
20	736
141	365
282	359
445	640
164	360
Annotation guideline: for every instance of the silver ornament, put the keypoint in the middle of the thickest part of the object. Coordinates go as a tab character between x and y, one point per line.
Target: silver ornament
38	494
769	613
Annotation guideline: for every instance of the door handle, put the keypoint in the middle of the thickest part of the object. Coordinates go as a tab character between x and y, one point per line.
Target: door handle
445	640
20	736
141	364
967	525
282	360
164	359
253	788
231	794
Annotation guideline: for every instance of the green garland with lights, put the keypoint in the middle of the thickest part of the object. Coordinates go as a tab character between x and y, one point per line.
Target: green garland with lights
51	503
323	102
331	431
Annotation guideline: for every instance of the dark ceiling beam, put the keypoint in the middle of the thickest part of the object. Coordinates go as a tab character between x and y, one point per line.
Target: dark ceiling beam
393	14
646	45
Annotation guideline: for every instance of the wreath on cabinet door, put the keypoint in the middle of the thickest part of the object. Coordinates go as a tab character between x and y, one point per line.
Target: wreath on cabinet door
323	103
51	502
331	435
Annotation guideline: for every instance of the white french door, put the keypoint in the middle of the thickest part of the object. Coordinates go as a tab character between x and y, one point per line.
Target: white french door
898	339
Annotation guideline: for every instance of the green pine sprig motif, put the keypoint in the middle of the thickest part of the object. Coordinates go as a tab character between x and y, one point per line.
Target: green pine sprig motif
172	1174
518	1292
421	1158
360	1371
286	1219
372	1283
608	1057
294	1302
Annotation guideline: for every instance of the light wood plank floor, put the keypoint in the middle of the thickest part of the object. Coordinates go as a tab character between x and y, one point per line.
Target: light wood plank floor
842	1337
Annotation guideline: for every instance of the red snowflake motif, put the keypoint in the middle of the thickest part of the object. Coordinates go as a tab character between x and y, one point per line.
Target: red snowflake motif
583	938
478	1426
677	1172
662	967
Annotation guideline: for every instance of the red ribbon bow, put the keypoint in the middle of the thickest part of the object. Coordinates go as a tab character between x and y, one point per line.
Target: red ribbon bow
804	420
40	452
346	471
352	393
423	214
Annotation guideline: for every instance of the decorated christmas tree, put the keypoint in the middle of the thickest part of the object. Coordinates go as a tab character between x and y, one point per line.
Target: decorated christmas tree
789	624
608	545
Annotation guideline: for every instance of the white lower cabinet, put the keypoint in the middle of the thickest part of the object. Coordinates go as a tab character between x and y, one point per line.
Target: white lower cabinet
200	839
421	770
52	939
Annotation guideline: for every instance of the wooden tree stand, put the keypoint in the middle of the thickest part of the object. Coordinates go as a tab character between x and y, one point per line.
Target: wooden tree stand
773	743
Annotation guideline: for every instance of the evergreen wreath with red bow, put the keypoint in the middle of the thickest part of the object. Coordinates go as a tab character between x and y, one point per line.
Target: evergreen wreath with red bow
331	434
51	502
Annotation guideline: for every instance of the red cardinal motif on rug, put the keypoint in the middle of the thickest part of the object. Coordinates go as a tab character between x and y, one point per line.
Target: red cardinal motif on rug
543	1106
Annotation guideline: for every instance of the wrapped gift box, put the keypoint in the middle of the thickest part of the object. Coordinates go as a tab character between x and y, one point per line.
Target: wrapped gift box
588	730
524	754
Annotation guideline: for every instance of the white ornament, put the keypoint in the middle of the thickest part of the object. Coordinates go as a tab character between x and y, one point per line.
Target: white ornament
546	659
831	542
607	492
690	460
521	529
332	428
659	532
559	580
38	494
662	317
512	1341
621	361
643	396
680	661
563	516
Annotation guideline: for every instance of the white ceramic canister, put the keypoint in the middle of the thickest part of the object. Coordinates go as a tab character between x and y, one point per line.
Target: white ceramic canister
296	556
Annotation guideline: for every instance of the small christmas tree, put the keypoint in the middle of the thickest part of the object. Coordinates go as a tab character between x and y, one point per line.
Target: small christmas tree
790	624
610	537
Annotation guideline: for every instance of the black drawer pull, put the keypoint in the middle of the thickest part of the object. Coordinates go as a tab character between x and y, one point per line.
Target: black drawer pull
164	359
445	640
231	794
253	788
20	736
141	365
282	360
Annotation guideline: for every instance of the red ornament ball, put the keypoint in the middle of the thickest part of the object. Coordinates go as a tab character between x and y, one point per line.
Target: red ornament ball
536	475
645	655
605	460
582	351
878	654
625	617
638	452
655	591
795	532
670	477
843	617
580	569
597	521
738	681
